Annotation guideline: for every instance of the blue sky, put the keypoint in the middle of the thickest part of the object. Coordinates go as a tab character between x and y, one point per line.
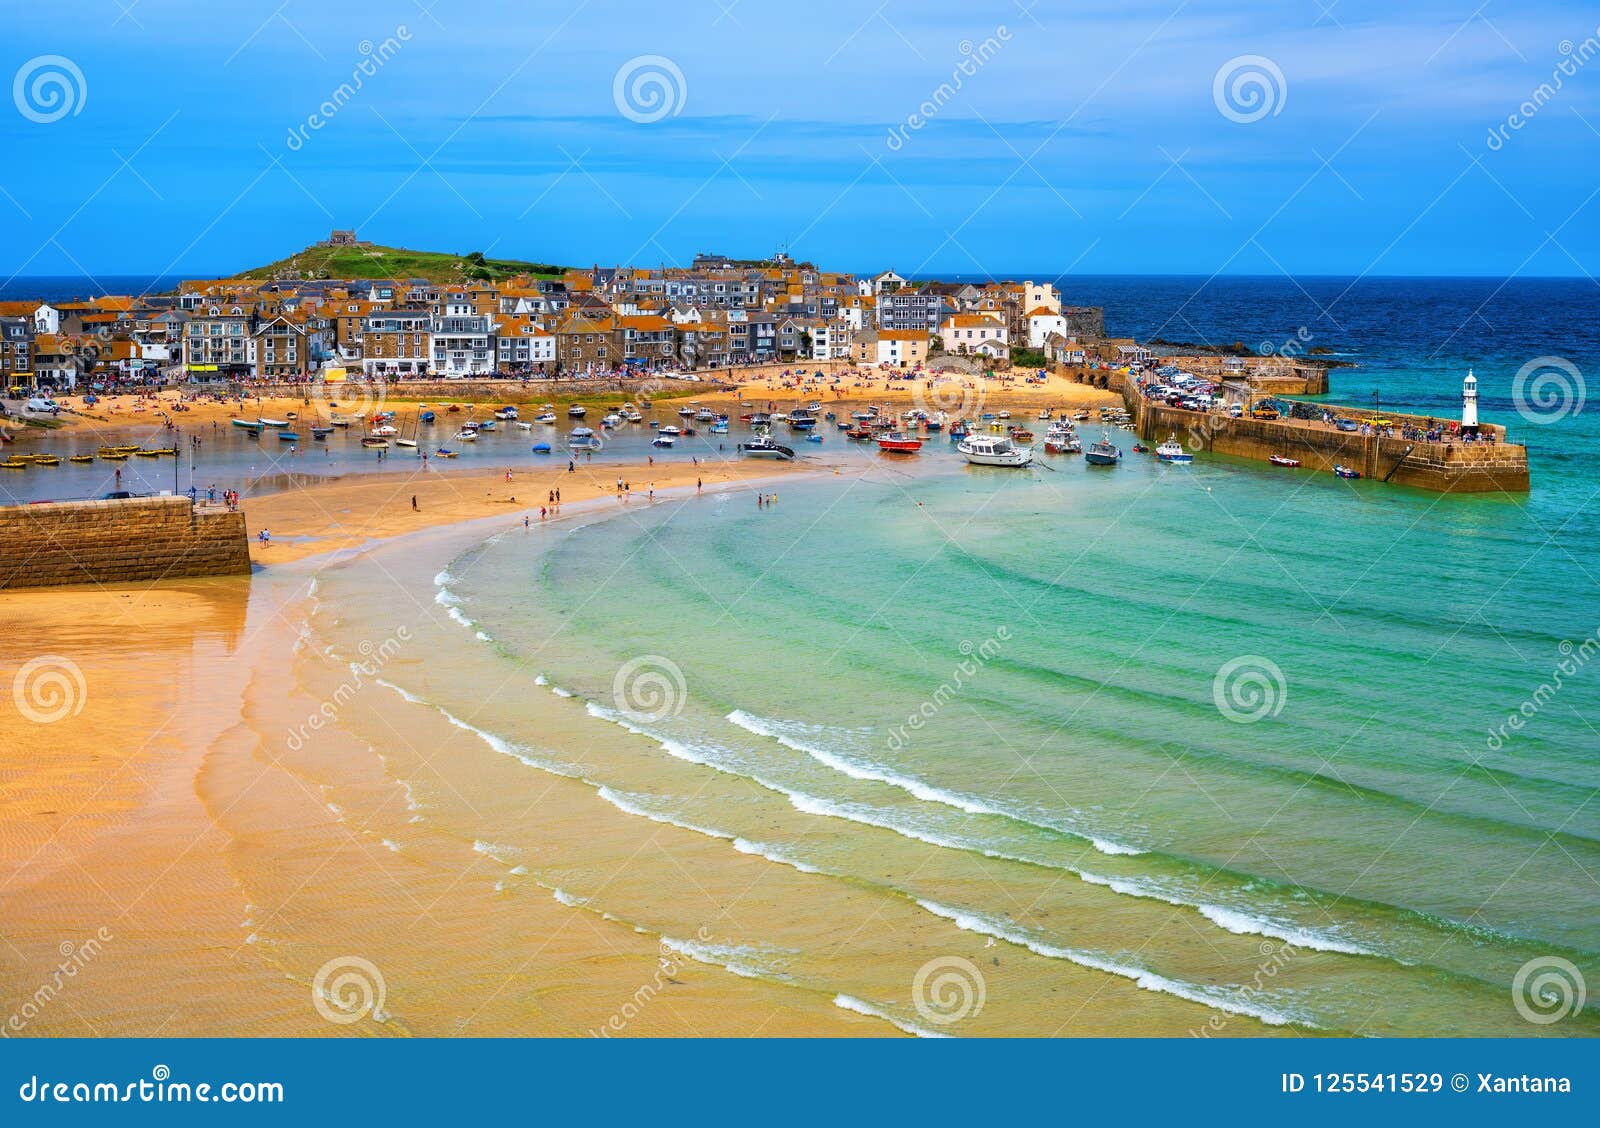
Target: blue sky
1095	137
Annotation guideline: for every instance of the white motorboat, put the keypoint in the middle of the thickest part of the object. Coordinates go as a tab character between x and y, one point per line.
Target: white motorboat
994	450
1173	451
546	417
466	436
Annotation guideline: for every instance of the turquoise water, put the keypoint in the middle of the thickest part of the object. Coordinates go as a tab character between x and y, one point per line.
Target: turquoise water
1262	704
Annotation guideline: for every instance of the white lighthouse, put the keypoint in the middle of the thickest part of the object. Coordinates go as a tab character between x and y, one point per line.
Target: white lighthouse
1469	401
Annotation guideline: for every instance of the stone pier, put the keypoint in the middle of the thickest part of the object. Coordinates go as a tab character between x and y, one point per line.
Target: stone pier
121	541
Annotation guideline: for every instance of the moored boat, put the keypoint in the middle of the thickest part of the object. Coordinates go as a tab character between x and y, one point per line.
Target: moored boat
577	411
899	442
1283	460
1173	451
286	437
762	446
265	422
1103	452
254	426
994	450
374	443
1346	471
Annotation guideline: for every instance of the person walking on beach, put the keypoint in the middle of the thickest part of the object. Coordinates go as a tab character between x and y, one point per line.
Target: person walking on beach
558	495
414	503
698	485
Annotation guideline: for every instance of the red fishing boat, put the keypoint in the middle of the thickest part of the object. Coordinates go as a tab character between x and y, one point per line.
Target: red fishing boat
1283	460
899	442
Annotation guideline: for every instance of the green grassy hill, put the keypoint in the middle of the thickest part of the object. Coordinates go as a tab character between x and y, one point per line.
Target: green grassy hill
397	262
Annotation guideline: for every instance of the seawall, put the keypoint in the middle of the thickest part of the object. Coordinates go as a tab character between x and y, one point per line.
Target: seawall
1446	467
121	541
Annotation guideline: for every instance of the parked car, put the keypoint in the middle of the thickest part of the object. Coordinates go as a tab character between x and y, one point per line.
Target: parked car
39	403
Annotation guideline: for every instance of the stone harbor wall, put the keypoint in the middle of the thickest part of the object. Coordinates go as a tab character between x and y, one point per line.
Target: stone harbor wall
121	541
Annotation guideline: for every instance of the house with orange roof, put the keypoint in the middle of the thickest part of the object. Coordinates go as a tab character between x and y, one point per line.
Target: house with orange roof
1044	323
523	346
46	318
895	347
975	334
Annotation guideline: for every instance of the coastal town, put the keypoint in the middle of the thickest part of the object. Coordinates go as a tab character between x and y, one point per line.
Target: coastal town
717	314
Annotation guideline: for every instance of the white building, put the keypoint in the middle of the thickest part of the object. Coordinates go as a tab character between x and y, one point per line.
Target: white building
1042	322
461	341
975	334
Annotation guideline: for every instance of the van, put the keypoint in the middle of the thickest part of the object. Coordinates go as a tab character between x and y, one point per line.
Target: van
39	403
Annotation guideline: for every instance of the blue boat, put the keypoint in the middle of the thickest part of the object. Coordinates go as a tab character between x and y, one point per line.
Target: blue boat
813	438
426	417
541	448
288	436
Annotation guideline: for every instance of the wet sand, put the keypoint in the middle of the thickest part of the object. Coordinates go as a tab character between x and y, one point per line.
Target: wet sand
177	860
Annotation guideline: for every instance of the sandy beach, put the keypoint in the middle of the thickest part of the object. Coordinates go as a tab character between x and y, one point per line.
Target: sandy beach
162	827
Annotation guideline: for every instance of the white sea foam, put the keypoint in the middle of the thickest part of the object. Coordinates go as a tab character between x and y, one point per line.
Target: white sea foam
540	679
851	1003
785	734
568	899
505	855
729	957
483	637
632	805
1231	1002
1233	920
559	692
390	845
